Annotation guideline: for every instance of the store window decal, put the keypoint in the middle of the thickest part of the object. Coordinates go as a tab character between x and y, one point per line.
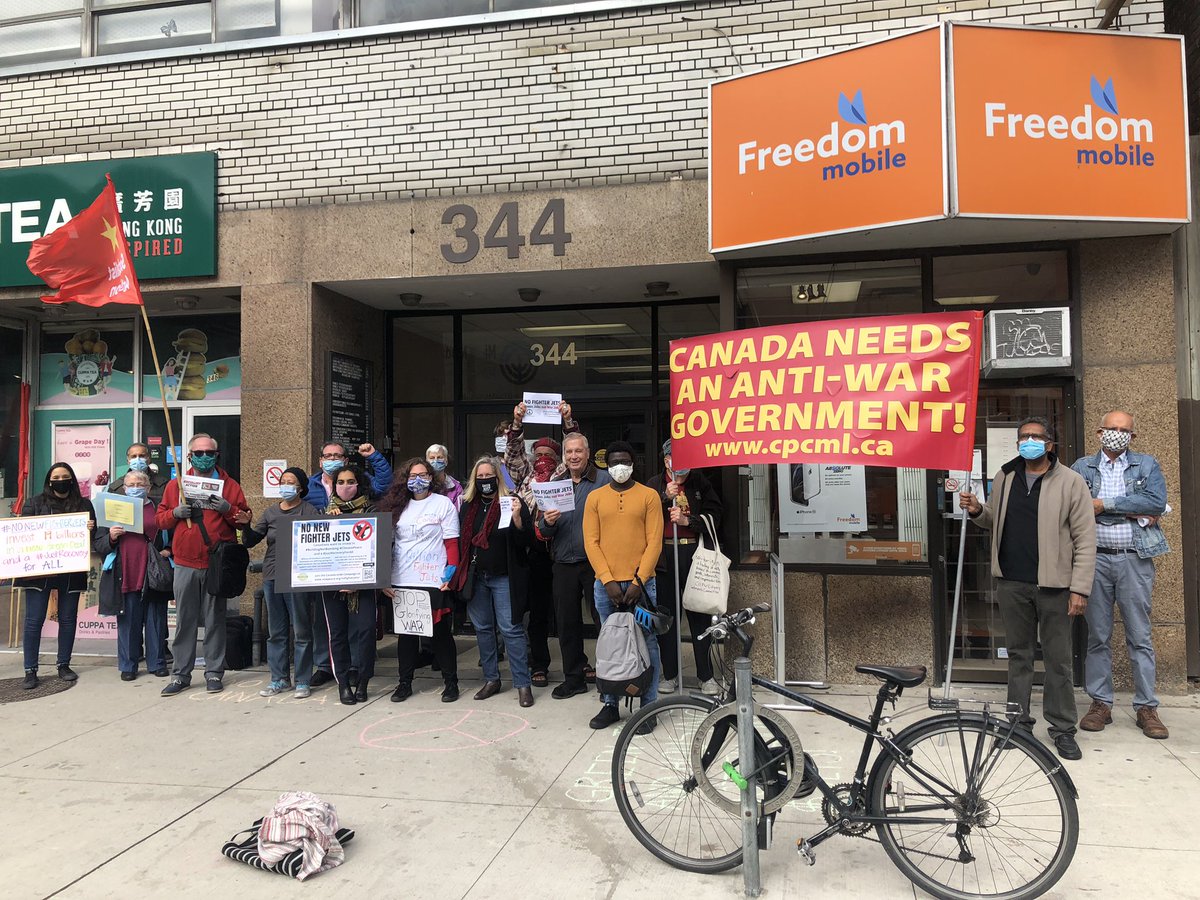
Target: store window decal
199	362
86	365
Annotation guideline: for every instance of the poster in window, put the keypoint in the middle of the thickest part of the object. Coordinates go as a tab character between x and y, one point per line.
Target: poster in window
86	365
830	498
200	358
87	447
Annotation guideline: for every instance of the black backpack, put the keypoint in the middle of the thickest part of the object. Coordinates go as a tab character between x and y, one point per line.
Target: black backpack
227	565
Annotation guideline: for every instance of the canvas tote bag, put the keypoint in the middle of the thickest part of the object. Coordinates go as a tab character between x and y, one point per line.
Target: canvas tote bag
707	589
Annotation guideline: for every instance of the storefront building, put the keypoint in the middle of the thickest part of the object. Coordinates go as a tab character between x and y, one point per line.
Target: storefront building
415	221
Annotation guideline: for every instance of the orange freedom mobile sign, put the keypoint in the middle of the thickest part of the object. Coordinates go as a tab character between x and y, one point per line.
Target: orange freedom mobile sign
854	139
1055	123
896	391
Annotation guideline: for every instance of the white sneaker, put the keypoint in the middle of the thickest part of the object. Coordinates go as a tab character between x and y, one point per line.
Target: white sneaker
302	692
709	687
666	687
275	687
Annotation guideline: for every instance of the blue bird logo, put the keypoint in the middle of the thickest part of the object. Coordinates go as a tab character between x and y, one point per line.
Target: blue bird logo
1104	95
853	111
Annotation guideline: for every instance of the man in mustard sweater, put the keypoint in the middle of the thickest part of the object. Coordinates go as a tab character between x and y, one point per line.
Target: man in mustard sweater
622	536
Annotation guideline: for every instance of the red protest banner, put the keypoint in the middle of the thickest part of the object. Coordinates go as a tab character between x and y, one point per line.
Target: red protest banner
896	391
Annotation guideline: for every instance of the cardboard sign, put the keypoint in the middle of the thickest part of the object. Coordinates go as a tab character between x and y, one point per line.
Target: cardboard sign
120	511
45	545
542	408
412	612
893	391
550	495
335	553
272	472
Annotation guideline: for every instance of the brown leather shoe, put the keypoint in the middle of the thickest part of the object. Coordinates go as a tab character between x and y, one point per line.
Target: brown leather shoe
525	697
1097	717
489	689
1151	724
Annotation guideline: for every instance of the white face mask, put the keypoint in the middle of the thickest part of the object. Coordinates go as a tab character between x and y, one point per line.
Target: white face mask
1116	441
620	474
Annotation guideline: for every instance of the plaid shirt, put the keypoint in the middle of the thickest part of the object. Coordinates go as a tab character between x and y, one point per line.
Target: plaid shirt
1112	485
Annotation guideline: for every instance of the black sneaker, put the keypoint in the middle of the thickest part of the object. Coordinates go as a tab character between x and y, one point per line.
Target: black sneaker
174	686
569	689
402	692
65	673
450	692
161	673
608	715
1066	746
31	680
128	676
213	685
320	677
648	725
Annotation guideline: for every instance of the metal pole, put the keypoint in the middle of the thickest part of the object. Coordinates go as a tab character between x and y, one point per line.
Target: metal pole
745	724
958	579
678	612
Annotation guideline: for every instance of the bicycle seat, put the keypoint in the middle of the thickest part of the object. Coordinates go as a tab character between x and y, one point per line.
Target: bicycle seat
905	676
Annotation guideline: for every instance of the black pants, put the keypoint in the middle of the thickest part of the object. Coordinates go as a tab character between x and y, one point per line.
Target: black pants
573	583
540	600
697	622
350	634
408	648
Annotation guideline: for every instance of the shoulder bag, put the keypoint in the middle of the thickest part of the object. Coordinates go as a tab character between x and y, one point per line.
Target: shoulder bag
707	589
227	564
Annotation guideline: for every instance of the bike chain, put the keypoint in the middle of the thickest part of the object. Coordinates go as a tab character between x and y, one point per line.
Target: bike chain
868	837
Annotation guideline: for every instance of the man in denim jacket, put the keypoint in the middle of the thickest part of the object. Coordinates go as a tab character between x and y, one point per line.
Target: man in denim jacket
1129	494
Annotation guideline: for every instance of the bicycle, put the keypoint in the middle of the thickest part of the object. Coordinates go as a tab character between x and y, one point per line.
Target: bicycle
965	803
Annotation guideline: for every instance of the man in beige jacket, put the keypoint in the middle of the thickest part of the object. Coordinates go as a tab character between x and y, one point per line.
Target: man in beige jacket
1044	559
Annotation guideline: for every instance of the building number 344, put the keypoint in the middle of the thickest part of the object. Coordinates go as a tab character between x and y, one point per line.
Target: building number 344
550	228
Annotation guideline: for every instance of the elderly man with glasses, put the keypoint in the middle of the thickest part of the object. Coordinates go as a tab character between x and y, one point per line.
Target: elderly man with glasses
1043	558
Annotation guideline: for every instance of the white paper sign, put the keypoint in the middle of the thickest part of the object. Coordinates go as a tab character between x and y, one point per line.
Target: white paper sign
44	545
272	472
1001	446
826	498
543	408
506	508
412	612
961	479
333	552
501	445
550	495
201	490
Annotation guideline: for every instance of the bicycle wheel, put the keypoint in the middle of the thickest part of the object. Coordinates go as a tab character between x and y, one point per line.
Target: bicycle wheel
1013	824
660	797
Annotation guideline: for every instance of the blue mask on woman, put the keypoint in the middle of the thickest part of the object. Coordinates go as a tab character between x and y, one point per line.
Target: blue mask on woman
438	465
419	485
288	491
1032	449
135	493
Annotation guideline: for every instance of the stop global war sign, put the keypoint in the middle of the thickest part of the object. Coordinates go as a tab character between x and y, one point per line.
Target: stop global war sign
167	203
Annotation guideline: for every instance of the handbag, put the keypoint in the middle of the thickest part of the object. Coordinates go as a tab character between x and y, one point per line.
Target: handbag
227	565
707	589
467	591
159	576
111	598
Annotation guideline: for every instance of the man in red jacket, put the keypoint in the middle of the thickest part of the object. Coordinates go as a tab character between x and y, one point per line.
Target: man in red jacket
221	514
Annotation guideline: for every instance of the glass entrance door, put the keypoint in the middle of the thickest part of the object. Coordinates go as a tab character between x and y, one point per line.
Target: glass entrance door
224	424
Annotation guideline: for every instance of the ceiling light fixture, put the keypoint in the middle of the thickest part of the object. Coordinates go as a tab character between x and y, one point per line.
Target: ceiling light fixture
187	301
576	330
529	295
659	289
410	300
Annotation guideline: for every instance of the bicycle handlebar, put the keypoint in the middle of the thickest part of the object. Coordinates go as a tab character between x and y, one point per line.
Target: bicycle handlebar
734	621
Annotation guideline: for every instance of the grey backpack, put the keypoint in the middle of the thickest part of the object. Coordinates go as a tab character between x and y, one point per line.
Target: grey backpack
622	660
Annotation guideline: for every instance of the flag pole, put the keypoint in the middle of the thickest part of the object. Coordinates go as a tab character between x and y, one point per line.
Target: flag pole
162	393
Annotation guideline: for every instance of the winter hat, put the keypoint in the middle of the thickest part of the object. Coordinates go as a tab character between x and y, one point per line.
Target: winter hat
300	477
550	444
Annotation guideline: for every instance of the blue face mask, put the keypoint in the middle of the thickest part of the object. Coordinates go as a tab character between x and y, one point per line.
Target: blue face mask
438	465
204	462
331	466
137	464
1032	449
288	491
136	493
419	485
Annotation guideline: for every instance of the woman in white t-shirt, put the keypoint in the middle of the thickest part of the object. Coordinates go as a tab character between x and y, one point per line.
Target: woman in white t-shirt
424	558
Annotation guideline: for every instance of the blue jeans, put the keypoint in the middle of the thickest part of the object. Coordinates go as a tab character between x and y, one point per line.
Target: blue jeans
605	607
282	608
1124	580
490	608
139	615
36	603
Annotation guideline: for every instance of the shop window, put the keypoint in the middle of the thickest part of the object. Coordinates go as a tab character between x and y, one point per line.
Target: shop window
423	359
200	358
770	296
582	354
86	365
415	428
990	279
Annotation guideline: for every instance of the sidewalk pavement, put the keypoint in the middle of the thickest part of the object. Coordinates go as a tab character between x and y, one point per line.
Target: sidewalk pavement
111	790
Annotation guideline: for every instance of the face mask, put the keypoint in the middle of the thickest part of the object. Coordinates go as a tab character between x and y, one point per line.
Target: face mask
680	473
543	467
438	465
1031	449
137	493
419	485
204	462
620	474
331	466
288	491
487	486
61	488
1116	441
346	491
137	464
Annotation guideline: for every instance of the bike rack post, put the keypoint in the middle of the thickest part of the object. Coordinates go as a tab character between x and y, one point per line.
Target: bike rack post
744	688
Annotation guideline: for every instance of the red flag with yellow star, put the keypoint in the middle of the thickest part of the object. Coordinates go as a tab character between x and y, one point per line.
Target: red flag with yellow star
87	259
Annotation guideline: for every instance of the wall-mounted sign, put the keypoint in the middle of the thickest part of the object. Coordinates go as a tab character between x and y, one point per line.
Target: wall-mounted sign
168	208
351	418
849	140
1090	125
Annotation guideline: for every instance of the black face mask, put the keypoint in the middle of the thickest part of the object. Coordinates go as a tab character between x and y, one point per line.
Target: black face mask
487	486
60	488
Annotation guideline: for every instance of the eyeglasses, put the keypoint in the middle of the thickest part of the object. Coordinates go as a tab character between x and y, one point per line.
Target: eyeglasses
333	456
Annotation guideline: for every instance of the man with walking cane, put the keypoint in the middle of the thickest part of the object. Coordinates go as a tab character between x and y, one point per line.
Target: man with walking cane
686	496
